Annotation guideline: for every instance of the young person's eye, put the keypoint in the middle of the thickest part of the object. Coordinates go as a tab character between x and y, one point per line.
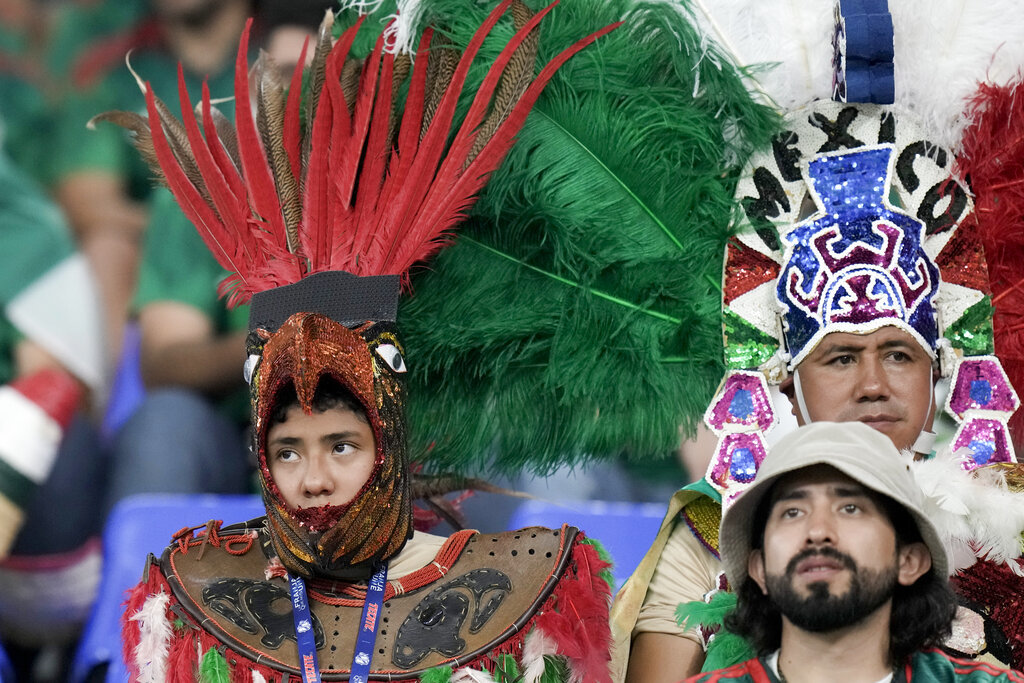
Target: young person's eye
789	513
343	448
287	455
851	508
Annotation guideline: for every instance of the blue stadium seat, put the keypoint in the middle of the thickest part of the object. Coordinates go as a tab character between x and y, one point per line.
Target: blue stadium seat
137	526
6	672
626	530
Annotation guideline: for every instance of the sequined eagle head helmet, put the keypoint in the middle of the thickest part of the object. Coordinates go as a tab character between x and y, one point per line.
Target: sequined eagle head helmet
343	328
319	200
854	221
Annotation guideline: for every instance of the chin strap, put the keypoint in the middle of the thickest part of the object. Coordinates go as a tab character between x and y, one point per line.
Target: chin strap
801	404
925	441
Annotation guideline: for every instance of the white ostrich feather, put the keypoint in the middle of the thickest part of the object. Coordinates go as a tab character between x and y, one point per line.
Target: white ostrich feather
257	677
471	676
943	50
400	36
360	6
787	42
536	647
155	639
975	513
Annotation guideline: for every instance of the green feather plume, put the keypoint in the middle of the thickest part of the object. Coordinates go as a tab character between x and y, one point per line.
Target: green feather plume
439	674
726	648
213	668
556	670
578	314
506	670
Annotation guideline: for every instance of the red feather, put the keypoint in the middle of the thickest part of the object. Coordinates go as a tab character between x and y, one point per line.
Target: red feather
579	623
367	207
993	160
217	239
230	207
258	177
293	117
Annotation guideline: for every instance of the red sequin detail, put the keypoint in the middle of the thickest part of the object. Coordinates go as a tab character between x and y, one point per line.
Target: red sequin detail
962	260
745	270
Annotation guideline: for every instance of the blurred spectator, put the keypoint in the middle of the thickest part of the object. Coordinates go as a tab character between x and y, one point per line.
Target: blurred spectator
49	318
99	180
26	87
188	433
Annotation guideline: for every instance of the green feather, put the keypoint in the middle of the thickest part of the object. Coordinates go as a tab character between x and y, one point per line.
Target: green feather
555	670
578	316
507	671
213	668
439	674
726	648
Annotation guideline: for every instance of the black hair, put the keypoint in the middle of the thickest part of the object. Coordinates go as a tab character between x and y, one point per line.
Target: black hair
922	613
330	393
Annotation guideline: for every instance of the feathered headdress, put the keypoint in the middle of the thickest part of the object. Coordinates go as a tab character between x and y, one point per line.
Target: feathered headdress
319	208
581	301
855	219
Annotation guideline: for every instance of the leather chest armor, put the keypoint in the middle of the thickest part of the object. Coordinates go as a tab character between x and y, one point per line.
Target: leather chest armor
480	591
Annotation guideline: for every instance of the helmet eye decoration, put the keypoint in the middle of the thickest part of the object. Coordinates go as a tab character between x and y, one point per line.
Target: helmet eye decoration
391	354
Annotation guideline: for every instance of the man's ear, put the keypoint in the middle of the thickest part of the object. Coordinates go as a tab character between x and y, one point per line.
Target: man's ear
914	562
755	567
786	389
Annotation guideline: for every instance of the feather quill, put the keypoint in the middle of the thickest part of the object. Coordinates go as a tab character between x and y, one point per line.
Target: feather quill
155	639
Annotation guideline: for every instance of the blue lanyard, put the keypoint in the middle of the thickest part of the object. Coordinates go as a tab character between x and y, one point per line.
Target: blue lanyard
305	636
368	626
306	640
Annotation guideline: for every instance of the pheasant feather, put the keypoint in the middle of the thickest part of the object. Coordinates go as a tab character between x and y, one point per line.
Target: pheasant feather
275	201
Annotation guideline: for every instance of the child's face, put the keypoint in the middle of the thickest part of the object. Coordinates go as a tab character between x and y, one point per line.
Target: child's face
320	459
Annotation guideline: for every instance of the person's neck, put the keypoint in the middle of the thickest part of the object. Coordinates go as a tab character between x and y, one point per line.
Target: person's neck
206	49
856	654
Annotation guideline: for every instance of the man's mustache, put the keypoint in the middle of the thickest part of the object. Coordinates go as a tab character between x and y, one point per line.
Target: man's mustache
826	551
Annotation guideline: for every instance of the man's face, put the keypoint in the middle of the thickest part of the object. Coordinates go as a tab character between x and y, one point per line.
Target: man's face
320	459
882	379
830	556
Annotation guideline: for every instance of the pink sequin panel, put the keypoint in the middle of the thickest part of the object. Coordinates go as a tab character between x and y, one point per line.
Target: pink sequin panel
981	384
988	441
742	402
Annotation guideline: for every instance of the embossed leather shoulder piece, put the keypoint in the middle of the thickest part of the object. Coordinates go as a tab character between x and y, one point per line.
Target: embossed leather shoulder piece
479	591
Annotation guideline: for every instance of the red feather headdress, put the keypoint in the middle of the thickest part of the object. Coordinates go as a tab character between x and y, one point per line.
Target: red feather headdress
345	185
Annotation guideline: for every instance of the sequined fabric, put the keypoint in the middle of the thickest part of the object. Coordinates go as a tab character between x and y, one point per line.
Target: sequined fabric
859	263
857	247
704	516
338	541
